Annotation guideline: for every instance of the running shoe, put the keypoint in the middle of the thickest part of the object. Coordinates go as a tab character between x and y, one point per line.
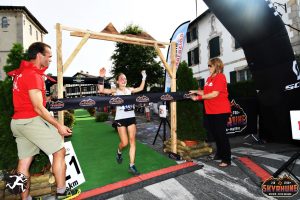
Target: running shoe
133	170
119	158
68	194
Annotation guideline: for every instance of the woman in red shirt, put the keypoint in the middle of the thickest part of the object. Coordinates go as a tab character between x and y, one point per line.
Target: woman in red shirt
217	108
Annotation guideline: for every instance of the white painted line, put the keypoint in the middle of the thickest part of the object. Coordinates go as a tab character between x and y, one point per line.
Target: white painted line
169	189
272	169
209	173
260	153
119	197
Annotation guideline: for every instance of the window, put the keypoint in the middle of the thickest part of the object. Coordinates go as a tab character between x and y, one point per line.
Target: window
192	35
214	47
193	57
30	29
4	22
188	37
240	75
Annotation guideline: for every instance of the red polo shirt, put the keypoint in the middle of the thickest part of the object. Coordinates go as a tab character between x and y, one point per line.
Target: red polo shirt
26	78
219	104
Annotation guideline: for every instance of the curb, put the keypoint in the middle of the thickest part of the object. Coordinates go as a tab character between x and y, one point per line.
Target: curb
140	181
256	173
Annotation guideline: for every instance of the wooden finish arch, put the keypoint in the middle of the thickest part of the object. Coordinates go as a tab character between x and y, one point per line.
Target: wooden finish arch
87	34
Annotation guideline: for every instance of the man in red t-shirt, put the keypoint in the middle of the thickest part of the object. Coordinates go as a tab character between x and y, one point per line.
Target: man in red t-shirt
32	125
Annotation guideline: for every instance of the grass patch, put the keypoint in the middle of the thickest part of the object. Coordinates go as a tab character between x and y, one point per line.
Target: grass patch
95	144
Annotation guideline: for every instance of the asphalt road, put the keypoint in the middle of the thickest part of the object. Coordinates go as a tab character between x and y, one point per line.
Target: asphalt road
212	182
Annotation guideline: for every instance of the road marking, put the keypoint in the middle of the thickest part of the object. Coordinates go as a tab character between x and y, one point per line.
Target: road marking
208	172
272	169
260	153
169	189
119	197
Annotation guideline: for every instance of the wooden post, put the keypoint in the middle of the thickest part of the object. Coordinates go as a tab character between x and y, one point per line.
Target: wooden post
75	52
60	86
173	104
163	60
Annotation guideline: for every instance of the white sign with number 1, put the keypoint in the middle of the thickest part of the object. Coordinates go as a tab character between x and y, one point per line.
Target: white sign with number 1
295	122
74	174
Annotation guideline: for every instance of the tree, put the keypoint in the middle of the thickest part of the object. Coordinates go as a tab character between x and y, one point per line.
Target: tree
132	59
8	149
189	113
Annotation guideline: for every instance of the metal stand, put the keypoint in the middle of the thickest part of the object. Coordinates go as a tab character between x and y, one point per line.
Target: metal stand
256	139
285	166
162	121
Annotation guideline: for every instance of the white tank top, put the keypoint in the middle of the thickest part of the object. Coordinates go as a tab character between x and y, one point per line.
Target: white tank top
125	111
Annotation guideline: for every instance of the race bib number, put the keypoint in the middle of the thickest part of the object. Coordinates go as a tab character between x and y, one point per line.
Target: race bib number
128	107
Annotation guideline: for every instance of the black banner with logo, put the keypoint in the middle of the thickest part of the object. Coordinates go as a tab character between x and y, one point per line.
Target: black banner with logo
244	116
118	100
270	57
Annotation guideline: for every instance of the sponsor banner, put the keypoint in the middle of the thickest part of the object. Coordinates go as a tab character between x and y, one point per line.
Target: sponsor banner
295	123
74	174
178	37
237	121
118	100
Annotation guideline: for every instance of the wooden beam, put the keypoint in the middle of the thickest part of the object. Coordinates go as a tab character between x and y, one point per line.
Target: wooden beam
117	38
163	60
60	84
75	52
173	103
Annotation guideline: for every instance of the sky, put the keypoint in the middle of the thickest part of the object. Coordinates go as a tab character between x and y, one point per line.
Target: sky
159	18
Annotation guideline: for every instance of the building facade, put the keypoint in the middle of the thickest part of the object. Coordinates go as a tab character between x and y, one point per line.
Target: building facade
81	90
17	25
208	38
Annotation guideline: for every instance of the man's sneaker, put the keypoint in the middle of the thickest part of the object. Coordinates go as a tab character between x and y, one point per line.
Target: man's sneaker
37	198
119	158
133	170
69	194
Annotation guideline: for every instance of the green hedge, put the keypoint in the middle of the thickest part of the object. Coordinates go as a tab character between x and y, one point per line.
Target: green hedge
189	113
101	116
242	89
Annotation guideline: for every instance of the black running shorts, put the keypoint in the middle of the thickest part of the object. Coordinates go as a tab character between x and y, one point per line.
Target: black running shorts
125	122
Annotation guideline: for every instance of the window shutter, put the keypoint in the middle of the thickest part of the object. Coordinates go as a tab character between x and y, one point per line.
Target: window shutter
190	58
188	37
196	56
214	47
232	77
